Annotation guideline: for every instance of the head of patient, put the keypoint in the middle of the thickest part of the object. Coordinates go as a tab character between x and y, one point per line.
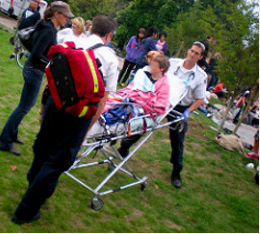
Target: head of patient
159	65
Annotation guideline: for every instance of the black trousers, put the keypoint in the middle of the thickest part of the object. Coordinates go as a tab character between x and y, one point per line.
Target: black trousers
126	143
55	150
177	142
127	68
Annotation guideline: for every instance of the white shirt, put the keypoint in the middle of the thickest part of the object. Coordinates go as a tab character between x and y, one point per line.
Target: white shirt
207	97
195	79
68	35
107	57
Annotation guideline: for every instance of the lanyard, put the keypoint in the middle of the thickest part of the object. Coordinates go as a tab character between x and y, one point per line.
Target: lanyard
191	76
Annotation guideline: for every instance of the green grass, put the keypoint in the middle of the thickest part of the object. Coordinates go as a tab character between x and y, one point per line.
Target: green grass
218	194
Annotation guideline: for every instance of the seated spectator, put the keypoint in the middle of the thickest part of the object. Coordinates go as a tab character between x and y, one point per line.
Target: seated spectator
219	90
75	33
240	106
255	153
205	105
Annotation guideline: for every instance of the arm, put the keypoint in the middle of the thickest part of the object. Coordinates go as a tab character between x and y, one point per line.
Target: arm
152	45
195	105
162	98
40	47
100	109
165	47
128	47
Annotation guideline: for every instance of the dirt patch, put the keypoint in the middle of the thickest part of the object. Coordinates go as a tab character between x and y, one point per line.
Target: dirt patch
173	225
196	129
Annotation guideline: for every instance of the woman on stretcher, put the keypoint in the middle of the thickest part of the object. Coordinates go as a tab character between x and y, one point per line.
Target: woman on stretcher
149	89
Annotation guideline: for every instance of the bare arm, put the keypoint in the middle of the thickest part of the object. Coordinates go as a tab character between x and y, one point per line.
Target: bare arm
195	105
100	109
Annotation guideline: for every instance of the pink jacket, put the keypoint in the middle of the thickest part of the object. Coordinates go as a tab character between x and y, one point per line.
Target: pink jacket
151	102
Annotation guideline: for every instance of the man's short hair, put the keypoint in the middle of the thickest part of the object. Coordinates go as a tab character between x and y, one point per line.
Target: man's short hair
103	25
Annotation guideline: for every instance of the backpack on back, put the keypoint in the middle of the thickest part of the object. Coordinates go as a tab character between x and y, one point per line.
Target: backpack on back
74	80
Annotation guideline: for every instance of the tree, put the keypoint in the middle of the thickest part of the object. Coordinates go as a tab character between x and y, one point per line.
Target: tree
146	13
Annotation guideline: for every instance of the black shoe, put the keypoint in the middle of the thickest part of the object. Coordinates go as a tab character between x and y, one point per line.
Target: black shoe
12	150
21	55
176	181
18	141
12	57
123	152
19	221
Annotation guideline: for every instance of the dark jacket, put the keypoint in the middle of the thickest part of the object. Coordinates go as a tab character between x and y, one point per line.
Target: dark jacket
148	44
29	19
43	38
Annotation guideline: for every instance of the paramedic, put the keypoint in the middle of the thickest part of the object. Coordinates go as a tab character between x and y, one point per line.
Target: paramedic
196	81
49	145
61	134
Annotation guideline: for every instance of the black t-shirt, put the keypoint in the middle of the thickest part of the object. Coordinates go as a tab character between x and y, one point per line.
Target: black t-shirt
149	75
29	18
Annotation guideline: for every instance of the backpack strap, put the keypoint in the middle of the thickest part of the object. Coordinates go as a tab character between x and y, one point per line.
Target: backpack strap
99	64
96	46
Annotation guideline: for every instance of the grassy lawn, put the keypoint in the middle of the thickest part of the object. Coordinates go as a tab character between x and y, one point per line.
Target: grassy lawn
218	194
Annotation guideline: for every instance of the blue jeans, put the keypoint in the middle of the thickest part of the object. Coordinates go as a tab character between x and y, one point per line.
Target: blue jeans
203	110
55	150
32	83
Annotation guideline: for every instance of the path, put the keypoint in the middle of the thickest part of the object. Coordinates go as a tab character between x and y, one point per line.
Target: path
245	132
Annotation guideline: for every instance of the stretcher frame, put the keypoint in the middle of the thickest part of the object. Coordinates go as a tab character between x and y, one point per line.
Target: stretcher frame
110	153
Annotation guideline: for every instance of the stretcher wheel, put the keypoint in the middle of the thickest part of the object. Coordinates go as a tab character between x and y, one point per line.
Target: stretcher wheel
96	203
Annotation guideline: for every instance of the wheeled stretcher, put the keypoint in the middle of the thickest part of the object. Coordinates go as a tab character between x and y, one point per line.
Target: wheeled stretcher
103	138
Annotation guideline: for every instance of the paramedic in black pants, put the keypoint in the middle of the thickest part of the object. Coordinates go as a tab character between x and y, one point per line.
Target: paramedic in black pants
58	142
196	80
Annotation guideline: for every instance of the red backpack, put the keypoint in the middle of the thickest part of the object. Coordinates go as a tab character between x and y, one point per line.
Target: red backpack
75	83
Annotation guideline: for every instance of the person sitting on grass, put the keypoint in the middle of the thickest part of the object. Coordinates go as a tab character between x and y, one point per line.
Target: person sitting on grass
204	107
255	153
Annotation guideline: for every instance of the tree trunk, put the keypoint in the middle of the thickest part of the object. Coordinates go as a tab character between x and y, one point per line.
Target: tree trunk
231	100
253	97
179	51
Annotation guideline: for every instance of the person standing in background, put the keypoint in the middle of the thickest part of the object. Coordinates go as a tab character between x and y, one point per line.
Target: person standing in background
133	48
161	44
76	32
88	27
148	44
